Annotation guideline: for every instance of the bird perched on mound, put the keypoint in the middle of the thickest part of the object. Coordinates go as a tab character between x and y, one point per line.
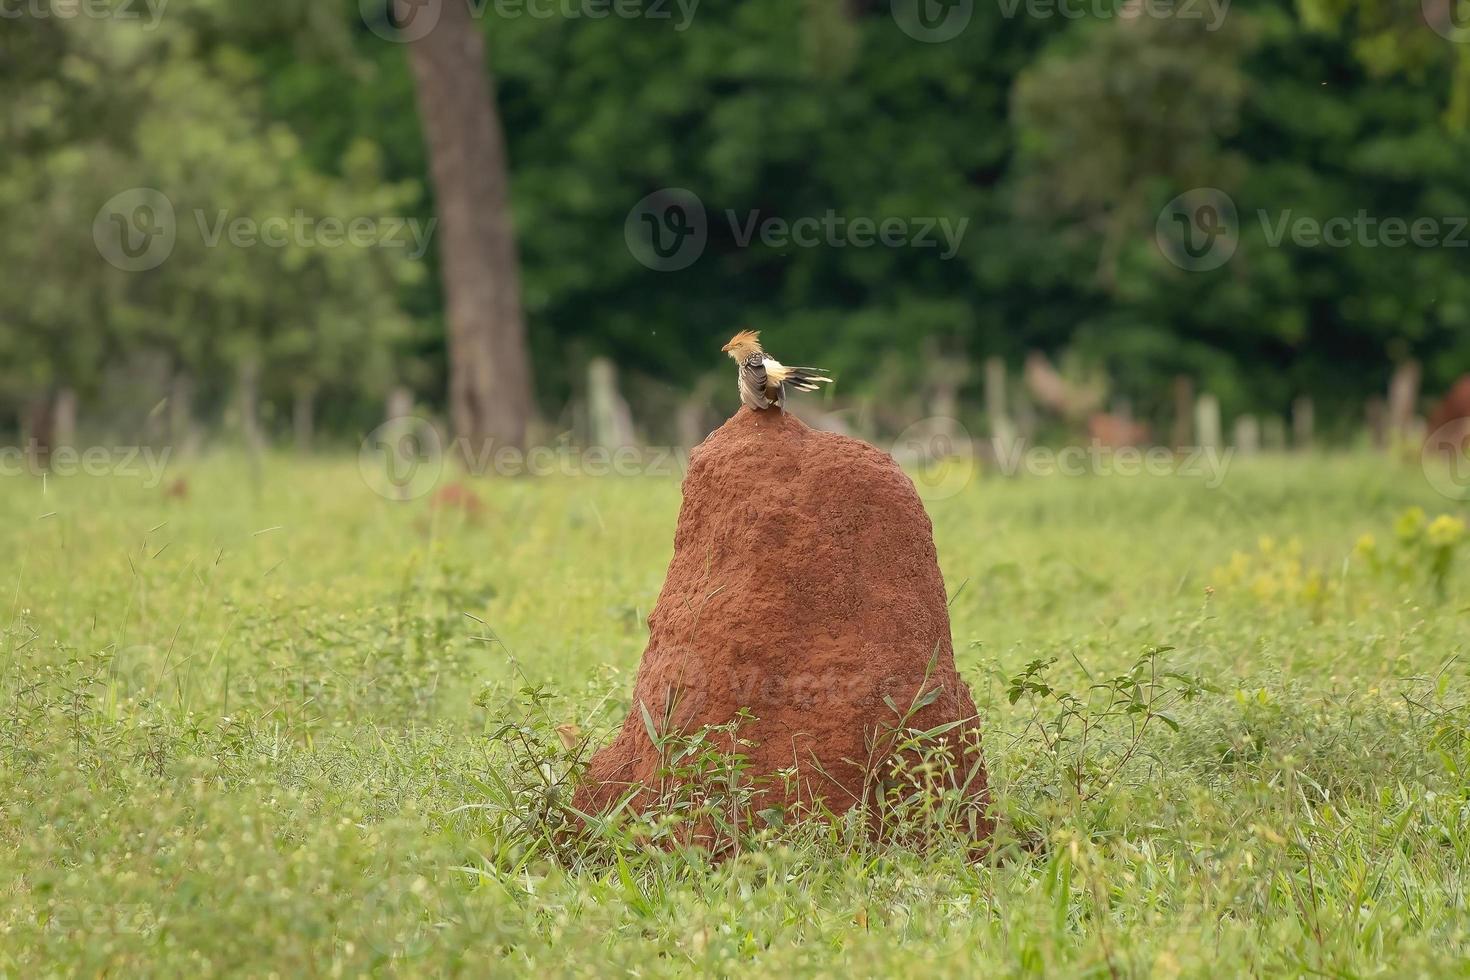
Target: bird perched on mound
763	379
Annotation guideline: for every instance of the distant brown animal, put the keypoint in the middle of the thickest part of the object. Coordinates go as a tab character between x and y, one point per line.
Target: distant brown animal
1070	400
1114	431
1449	423
457	496
177	490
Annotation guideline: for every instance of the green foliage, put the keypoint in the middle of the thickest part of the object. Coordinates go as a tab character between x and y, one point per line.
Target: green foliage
1058	139
1069	724
111	105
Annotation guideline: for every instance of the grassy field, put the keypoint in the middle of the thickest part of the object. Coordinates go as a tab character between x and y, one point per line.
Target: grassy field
259	730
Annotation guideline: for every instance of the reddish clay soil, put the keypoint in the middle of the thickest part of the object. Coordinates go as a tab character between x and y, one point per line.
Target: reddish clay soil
1449	423
804	587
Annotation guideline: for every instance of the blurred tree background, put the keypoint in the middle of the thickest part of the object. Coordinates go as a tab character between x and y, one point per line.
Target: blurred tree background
1059	139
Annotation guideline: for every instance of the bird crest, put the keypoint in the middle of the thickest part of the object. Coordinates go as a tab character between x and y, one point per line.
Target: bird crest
745	340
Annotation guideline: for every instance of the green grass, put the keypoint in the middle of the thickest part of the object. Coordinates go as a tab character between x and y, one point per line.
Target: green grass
252	732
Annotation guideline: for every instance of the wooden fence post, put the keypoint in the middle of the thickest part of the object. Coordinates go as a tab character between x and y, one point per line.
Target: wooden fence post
1207	421
1403	397
1247	435
609	418
1182	433
1002	429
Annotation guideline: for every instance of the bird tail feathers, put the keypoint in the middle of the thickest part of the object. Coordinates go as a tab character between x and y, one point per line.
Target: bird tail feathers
806	378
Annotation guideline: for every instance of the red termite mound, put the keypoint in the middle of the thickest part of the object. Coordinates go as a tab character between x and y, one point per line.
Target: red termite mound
804	587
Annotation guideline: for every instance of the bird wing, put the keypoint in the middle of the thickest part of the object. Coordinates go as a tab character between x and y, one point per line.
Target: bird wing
753	379
773	369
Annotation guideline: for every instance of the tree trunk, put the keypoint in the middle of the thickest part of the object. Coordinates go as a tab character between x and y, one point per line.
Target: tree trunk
490	393
39	430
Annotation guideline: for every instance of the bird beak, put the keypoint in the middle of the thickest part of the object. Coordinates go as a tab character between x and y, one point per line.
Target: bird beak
725	349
